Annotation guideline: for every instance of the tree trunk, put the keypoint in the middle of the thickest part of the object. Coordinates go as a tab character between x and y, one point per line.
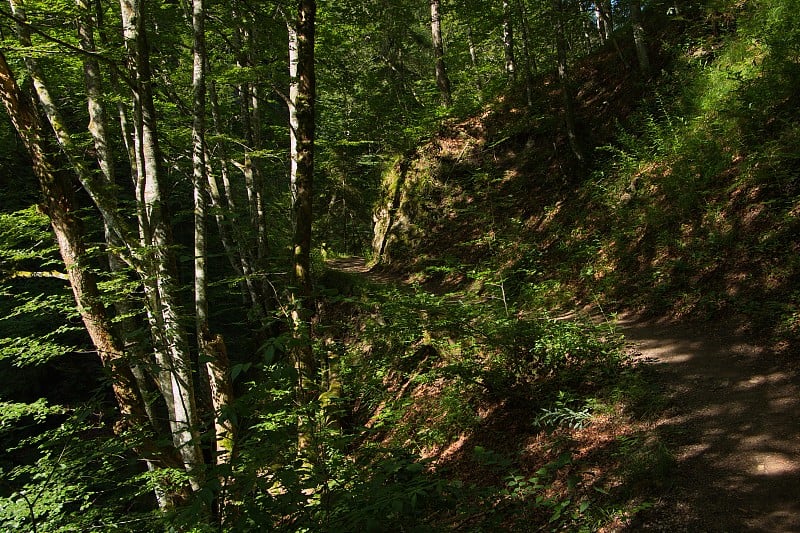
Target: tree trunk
105	159
99	193
160	284
442	81
530	60
508	41
473	56
302	306
222	199
601	23
565	80
59	206
639	37
211	346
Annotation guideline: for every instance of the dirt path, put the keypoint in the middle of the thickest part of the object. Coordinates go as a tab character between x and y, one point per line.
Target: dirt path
733	424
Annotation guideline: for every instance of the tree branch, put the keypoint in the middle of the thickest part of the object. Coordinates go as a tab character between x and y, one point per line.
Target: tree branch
71	47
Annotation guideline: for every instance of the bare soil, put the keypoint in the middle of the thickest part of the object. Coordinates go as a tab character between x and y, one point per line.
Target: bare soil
733	425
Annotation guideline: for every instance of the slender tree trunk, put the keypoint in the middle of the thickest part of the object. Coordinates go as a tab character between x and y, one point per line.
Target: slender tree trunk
473	56
565	80
105	159
508	41
223	199
302	306
294	86
639	37
587	26
442	81
100	194
604	10
601	23
211	346
530	60
607	13
160	284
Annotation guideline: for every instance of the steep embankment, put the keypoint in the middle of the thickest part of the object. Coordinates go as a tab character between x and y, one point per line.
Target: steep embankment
689	212
690	206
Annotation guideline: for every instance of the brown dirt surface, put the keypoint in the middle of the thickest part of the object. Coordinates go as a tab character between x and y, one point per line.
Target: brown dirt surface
732	422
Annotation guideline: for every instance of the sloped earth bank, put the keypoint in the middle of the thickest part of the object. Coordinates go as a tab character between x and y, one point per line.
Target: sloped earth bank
733	424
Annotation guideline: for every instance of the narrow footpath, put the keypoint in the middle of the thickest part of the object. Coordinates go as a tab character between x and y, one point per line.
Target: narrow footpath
733	424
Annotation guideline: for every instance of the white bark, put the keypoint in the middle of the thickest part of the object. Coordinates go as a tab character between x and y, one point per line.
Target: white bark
508	41
442	81
160	286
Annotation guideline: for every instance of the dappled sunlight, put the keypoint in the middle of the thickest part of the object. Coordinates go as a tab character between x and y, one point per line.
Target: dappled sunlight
732	425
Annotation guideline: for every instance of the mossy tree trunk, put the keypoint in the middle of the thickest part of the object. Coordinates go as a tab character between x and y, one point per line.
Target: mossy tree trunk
302	181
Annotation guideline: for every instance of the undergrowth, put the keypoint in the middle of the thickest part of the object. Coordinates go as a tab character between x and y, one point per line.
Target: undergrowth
430	376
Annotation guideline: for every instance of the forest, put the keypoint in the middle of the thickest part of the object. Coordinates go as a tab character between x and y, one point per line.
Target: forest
382	265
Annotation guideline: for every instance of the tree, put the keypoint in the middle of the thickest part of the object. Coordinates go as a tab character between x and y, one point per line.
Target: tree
302	182
442	81
639	37
59	205
565	80
211	347
508	41
172	355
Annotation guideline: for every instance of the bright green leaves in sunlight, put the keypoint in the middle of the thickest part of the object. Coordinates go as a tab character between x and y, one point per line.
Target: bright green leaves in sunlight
25	235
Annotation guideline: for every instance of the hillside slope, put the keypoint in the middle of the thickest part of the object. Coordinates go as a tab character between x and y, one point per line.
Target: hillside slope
690	206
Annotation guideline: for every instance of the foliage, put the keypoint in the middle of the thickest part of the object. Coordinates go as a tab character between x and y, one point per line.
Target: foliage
694	185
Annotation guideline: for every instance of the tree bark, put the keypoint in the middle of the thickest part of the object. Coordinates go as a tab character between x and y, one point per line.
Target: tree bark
59	205
302	306
99	193
473	56
212	347
530	59
442	81
160	285
508	41
565	80
105	159
639	38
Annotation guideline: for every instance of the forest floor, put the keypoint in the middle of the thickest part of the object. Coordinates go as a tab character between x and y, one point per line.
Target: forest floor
729	420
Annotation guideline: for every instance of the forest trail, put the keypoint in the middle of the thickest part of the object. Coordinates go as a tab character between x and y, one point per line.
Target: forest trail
731	422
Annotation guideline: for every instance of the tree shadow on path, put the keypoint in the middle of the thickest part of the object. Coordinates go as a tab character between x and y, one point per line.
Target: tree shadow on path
733	424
